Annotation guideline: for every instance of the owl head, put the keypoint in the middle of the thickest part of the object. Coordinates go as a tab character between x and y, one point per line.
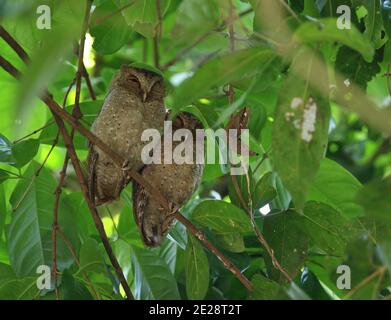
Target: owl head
186	120
145	84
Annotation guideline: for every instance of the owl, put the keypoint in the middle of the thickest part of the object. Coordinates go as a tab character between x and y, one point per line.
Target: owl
176	182
134	103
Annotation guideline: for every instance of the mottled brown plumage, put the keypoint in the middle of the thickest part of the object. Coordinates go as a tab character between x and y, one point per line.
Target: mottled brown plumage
176	182
134	103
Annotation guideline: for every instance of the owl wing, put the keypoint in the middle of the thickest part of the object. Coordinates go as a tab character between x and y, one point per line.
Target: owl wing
140	200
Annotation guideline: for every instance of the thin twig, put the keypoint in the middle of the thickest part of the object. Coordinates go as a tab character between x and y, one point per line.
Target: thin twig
34	132
36	174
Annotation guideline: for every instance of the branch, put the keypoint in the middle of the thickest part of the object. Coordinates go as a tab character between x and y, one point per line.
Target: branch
60	115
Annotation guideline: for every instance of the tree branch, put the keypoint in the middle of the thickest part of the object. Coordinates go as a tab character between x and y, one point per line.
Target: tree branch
60	115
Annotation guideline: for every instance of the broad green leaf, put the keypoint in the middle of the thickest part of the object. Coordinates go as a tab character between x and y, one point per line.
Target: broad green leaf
336	187
6	273
264	191
109	30
29	233
73	289
288	243
24	151
152	276
197	270
375	199
232	242
19	289
4	175
355	69
326	227
300	130
221	216
3	209
6	151
142	16
264	288
219	71
195	18
47	58
90	257
373	21
326	30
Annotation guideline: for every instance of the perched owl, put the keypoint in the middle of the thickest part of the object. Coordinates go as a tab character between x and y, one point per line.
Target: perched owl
176	182
134	103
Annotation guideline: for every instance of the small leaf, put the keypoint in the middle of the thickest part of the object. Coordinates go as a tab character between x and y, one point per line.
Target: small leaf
142	16
110	31
195	18
288	243
6	151
264	191
221	216
197	270
152	276
73	289
336	187
264	289
24	151
327	228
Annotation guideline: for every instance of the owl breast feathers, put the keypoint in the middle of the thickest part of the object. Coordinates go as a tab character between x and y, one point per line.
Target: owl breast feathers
176	182
134	103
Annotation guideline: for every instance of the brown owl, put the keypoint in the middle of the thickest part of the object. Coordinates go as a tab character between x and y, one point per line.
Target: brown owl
176	182
134	103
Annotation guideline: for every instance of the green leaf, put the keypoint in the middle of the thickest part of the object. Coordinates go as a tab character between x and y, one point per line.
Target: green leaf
73	289
373	20
336	187
91	259
142	16
19	289
4	176
3	209
109	29
264	191
47	58
288	243
152	276
197	270
355	68
219	71
375	199
300	130
24	151
327	228
264	289
325	30
221	216
29	233
232	242
6	151
195	18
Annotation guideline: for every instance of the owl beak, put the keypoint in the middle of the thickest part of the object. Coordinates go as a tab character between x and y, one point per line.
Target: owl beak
145	96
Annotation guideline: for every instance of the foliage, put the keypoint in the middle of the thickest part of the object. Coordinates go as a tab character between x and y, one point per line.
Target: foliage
321	170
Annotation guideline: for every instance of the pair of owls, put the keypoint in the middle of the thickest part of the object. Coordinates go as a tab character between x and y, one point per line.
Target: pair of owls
135	103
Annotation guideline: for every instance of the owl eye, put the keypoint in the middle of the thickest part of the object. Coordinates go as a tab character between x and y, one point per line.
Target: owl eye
133	79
